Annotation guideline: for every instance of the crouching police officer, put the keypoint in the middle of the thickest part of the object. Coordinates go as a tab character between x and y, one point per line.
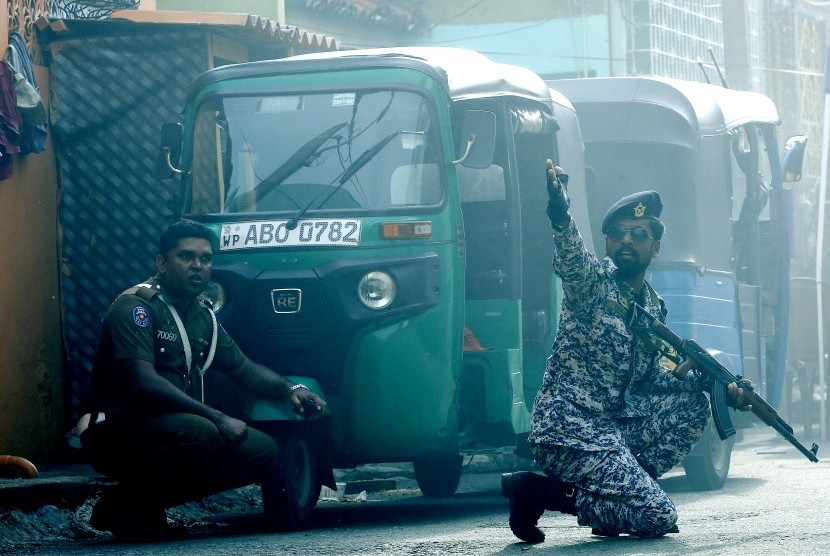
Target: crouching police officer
608	418
147	424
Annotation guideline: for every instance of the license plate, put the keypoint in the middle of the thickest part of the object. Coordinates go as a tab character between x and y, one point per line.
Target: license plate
341	232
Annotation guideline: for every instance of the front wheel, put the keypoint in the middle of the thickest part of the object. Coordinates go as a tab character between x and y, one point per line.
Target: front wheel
290	495
438	477
707	465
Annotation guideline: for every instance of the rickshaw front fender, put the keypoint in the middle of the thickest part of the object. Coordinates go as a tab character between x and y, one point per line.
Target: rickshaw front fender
275	416
281	410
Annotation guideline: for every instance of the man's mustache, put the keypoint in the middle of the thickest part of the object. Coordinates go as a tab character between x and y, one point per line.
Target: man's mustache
627	250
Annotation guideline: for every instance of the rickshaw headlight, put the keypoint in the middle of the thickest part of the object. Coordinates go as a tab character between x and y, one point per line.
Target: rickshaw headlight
376	290
215	293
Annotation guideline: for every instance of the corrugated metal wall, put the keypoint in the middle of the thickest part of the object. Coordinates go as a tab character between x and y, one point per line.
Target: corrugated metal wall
110	96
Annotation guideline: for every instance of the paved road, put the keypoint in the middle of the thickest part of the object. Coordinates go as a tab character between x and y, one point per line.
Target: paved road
773	504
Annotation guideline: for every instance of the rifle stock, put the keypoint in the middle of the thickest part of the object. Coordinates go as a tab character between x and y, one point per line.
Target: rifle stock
718	380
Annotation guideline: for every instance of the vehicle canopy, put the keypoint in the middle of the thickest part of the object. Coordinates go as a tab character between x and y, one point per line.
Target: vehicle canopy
466	73
637	108
672	136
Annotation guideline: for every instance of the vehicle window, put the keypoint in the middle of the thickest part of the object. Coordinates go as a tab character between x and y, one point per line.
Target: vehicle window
481	184
751	173
416	184
341	151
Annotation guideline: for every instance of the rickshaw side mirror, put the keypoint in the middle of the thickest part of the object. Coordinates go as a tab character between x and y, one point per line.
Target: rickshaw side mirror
478	139
794	157
167	161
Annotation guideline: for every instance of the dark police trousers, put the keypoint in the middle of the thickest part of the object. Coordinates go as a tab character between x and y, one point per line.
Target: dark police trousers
174	458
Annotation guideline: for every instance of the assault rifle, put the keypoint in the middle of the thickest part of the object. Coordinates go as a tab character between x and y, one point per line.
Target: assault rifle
716	380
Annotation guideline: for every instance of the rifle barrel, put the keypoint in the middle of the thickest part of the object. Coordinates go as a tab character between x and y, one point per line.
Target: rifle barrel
810	453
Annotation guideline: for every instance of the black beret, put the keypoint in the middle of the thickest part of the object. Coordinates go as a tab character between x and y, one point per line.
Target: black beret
645	204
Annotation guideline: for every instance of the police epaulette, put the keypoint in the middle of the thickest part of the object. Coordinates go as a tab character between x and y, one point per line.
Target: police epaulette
144	291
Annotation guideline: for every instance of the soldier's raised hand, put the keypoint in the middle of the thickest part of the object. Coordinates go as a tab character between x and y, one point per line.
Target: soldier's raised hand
558	201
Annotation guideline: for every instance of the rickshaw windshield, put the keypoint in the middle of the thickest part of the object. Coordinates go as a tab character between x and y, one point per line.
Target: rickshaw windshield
344	151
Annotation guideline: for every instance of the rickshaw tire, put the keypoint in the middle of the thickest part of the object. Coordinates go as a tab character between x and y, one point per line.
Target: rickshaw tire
289	497
438	476
707	465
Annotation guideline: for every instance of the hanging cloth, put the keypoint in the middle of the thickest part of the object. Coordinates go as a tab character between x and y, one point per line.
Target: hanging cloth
29	104
10	120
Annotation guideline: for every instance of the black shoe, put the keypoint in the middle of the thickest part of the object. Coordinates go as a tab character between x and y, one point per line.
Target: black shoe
526	506
129	523
561	497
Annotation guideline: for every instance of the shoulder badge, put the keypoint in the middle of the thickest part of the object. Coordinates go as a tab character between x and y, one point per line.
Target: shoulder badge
141	317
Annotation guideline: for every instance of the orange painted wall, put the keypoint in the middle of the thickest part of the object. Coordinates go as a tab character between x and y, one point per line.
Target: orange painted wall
32	401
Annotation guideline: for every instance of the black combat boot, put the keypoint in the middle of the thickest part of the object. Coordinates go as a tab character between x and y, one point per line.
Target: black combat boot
530	494
130	520
525	490
561	497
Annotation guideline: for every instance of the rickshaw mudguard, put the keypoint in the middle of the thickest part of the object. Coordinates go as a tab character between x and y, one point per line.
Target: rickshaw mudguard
501	371
281	410
262	410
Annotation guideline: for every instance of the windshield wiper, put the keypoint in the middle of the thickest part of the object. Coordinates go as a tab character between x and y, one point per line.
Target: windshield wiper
300	158
344	176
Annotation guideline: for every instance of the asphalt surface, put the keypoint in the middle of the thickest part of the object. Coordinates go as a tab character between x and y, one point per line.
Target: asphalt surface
55	505
772	504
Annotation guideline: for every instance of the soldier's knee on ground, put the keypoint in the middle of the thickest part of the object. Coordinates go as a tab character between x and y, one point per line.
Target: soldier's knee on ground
657	520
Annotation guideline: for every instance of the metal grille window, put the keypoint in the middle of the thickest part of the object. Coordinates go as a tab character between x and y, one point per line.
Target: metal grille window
669	36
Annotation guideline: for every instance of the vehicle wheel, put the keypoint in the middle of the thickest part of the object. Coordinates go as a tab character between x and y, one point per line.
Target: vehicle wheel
289	497
438	477
707	465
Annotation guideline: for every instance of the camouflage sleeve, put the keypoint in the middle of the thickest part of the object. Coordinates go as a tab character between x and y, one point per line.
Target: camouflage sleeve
666	381
575	266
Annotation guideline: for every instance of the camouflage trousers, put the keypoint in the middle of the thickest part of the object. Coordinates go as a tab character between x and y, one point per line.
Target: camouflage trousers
616	488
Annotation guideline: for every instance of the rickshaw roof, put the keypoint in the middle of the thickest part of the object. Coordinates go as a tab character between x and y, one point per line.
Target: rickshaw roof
639	108
466	74
560	99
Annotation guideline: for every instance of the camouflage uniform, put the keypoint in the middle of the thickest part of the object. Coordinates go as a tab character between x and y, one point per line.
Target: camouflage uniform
608	417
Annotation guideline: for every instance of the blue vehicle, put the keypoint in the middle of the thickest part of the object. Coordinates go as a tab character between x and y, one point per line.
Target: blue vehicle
712	153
